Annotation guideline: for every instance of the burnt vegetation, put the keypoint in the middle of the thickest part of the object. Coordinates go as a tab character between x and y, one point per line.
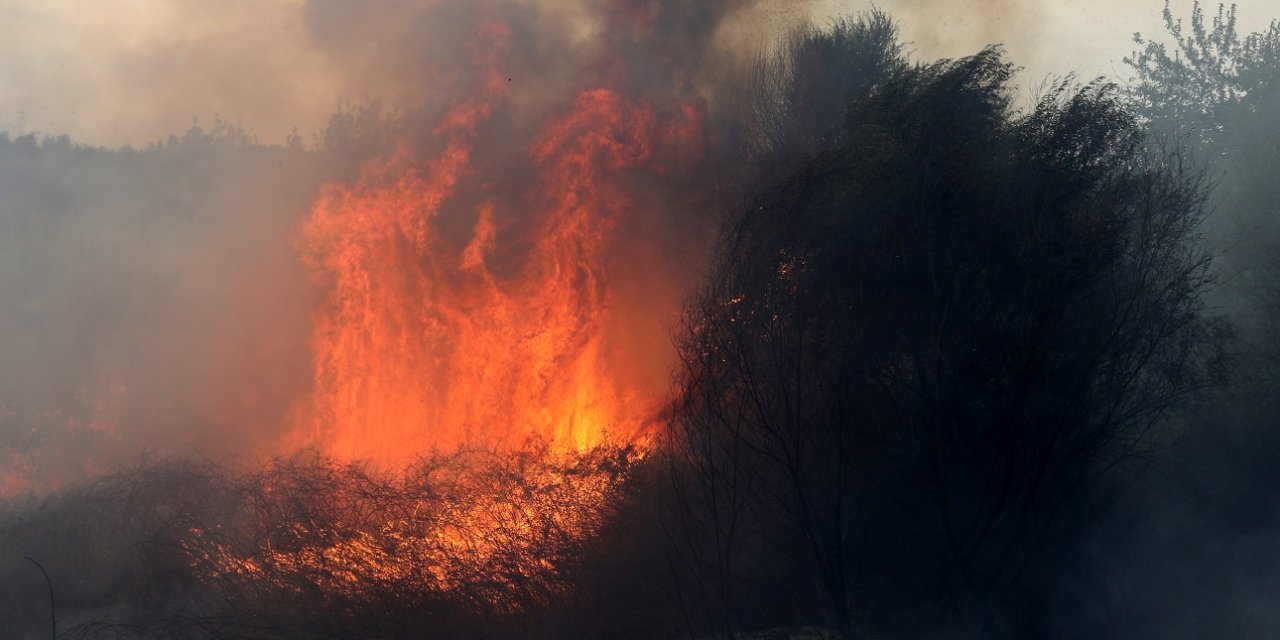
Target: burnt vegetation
952	366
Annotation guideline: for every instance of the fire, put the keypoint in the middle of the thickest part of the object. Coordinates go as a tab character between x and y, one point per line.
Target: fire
460	347
485	531
422	346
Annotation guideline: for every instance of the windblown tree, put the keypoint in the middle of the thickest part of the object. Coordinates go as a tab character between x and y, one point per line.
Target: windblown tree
797	97
1219	91
916	352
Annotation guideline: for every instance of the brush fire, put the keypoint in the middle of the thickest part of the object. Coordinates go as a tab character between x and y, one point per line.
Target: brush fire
585	319
465	375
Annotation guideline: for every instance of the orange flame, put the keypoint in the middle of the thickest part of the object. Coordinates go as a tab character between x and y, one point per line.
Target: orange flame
422	346
430	341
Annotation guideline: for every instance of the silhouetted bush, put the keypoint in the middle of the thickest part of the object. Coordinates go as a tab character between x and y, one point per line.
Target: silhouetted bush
917	352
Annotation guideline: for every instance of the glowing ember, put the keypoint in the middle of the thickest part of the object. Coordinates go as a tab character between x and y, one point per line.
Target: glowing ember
484	531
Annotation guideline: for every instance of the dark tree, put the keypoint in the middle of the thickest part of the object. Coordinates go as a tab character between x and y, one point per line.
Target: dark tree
798	96
914	355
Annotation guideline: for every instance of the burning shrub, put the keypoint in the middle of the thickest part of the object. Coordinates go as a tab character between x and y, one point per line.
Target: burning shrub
311	547
476	531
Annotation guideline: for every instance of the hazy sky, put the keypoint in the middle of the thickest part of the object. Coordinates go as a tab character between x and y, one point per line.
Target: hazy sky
133	71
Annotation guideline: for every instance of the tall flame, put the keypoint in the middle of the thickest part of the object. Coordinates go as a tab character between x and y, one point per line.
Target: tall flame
420	345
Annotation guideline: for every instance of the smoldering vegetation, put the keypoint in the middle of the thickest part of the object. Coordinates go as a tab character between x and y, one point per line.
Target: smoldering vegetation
954	368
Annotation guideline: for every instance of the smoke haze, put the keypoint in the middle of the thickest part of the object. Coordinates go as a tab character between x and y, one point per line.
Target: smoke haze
158	159
153	295
156	293
132	73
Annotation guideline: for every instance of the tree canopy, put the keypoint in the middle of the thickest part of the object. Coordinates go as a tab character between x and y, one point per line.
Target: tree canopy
917	350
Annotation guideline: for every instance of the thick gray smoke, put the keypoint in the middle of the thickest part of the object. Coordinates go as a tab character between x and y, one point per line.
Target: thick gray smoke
151	302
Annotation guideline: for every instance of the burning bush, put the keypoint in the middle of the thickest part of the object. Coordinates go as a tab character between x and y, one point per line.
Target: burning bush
480	531
313	546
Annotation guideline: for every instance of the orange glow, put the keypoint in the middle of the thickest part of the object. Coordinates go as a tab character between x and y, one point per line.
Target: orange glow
462	342
485	531
422	346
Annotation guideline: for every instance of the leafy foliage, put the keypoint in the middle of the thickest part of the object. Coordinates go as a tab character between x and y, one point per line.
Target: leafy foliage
1184	91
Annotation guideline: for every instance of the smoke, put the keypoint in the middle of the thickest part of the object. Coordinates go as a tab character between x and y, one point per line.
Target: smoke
109	76
148	304
131	75
153	299
1189	551
156	299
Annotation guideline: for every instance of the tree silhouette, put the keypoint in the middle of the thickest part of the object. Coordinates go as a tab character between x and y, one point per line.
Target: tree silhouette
915	353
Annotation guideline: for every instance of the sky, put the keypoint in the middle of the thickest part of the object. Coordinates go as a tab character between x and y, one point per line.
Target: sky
133	71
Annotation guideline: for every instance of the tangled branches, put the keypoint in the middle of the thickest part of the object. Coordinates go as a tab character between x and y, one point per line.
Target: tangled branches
482	531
